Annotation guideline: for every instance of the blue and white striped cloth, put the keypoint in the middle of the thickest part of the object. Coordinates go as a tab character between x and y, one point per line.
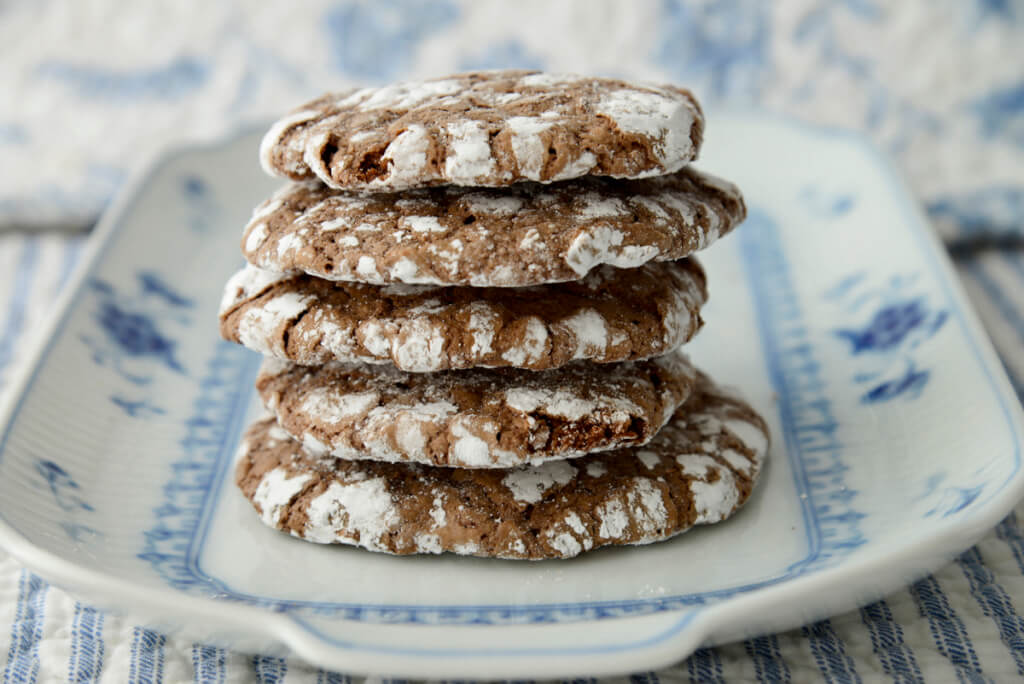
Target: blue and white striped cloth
92	88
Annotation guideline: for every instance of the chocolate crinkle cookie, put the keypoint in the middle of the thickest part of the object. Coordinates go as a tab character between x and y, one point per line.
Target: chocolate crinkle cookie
486	129
611	315
477	418
527	234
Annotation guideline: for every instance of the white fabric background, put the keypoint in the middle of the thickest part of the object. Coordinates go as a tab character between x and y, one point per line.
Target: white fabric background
91	87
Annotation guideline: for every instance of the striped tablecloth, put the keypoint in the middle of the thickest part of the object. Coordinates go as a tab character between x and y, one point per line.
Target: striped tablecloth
90	88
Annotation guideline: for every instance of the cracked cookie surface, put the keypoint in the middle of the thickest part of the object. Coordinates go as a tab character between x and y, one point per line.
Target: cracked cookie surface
527	234
699	469
611	315
485	129
476	418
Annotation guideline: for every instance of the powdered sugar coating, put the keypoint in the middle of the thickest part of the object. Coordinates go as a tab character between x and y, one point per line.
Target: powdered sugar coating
554	510
530	483
611	315
526	234
246	284
486	129
475	418
275	492
287	126
260	329
359	509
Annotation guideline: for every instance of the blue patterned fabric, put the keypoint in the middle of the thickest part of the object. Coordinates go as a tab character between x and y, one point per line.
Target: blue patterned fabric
91	91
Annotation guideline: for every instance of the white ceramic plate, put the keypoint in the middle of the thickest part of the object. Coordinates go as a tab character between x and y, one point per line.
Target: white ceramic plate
897	439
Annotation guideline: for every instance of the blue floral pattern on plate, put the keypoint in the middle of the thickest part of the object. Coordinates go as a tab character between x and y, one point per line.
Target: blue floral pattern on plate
68	495
132	338
898	322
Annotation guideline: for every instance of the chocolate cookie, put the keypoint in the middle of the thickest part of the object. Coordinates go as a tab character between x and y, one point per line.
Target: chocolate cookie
485	129
527	234
699	469
611	315
477	418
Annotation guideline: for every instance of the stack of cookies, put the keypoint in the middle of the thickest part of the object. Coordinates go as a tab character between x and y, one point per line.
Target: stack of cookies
471	298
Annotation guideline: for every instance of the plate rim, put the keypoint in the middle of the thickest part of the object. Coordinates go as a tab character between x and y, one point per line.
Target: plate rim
698	623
